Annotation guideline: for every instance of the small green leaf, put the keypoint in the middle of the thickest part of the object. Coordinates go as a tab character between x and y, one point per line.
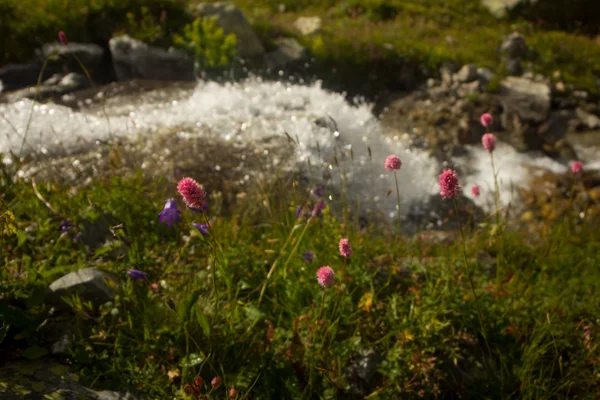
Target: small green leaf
35	352
203	323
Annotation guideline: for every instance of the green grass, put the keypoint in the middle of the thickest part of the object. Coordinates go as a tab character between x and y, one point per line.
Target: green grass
536	292
356	36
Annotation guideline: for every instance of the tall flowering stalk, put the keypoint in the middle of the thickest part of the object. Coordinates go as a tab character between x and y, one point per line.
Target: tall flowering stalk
576	169
450	189
393	163
488	141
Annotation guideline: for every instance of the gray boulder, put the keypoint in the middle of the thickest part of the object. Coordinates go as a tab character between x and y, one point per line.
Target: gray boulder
91	55
232	20
133	59
289	51
90	284
531	100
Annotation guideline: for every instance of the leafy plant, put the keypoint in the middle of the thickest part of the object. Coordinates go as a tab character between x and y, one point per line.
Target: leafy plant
208	44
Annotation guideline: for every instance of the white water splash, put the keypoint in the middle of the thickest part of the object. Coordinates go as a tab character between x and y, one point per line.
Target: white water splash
253	111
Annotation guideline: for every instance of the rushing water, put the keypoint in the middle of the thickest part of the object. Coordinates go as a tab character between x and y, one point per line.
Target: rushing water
325	126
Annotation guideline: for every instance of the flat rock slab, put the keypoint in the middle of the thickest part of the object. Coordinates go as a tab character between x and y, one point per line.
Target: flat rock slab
47	379
90	284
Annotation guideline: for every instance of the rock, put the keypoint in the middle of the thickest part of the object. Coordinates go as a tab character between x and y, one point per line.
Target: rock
514	67
484	75
586	120
467	89
73	81
289	51
308	25
514	46
499	8
47	379
468	73
90	284
91	55
19	76
530	99
232	20
62	345
54	79
135	59
446	75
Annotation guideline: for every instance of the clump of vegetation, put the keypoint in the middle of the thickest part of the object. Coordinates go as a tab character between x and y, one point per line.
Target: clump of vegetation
282	298
27	24
208	44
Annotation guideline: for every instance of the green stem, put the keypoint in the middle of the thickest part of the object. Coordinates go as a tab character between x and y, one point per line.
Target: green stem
398	198
496	191
469	275
37	92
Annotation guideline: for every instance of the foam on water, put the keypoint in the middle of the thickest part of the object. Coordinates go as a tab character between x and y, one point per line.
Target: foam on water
513	170
252	111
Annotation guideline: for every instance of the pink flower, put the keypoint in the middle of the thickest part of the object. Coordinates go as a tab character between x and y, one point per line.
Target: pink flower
475	191
232	392
392	163
155	287
325	276
216	381
62	37
577	167
489	142
345	248
449	187
192	193
486	119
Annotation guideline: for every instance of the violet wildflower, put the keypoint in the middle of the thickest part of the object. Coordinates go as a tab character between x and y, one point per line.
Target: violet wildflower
170	214
325	276
486	119
192	193
202	228
475	191
136	275
345	248
576	167
309	256
449	187
489	142
66	225
392	163
318	191
298	211
62	37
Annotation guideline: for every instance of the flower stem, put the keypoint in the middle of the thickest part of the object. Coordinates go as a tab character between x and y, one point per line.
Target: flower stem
469	275
398	198
496	190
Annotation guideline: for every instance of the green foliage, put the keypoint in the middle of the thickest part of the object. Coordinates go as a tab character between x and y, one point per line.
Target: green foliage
26	24
207	43
144	26
415	317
